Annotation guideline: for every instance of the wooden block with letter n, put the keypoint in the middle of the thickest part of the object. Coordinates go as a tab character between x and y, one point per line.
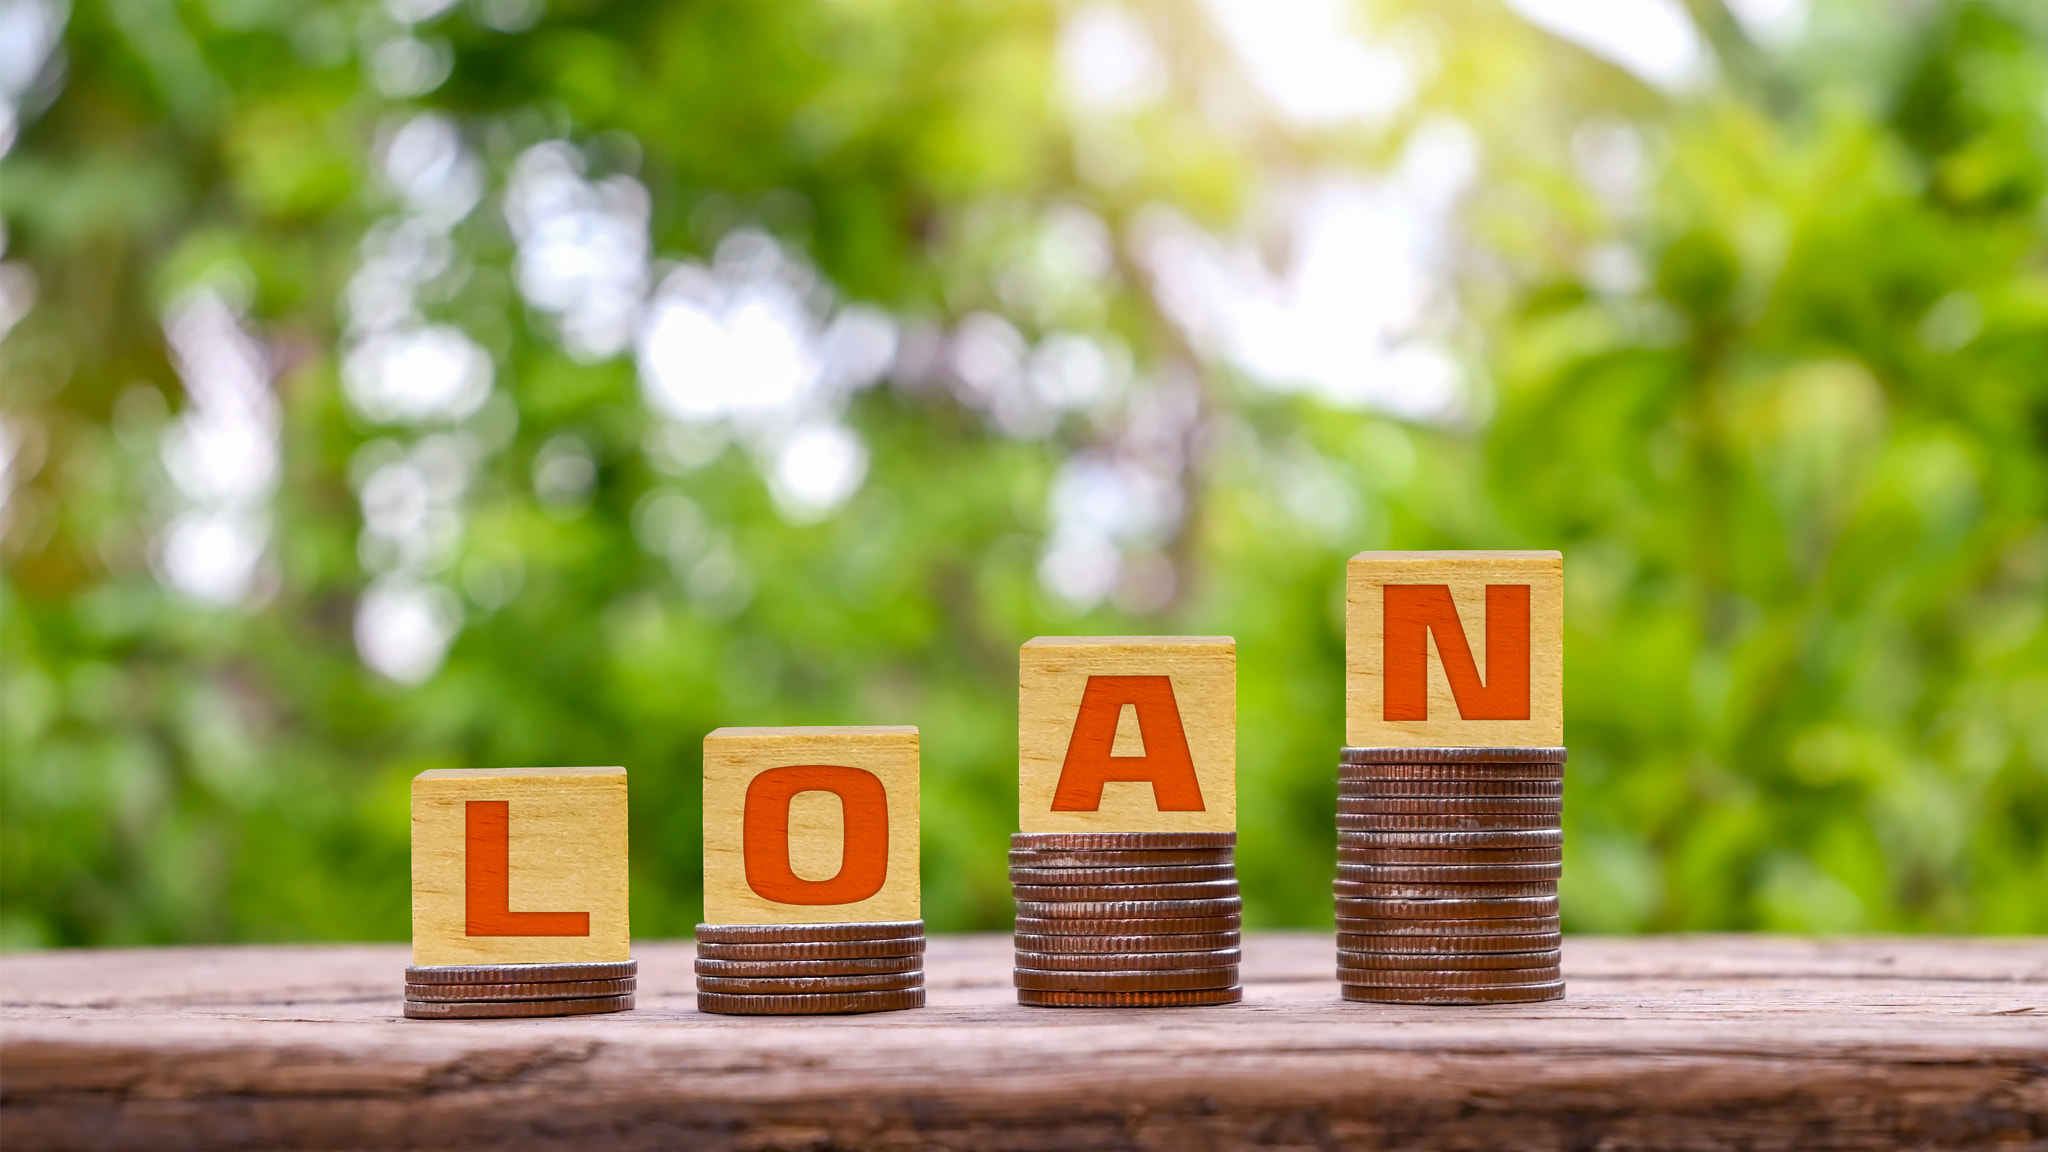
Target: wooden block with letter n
1454	649
519	901
811	885
1127	734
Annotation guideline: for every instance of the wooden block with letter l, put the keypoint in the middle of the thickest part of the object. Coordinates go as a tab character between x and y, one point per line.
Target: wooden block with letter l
1454	650
519	893
1127	734
519	866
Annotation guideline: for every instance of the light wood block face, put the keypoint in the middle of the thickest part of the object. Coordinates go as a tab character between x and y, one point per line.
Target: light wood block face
1127	734
519	866
811	825
1454	649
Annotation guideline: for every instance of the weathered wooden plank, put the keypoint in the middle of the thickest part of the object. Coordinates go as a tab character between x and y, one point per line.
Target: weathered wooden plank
1700	1042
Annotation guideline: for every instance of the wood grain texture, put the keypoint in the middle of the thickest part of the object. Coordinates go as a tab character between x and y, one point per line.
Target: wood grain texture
567	853
1467	574
1706	1042
817	841
1053	681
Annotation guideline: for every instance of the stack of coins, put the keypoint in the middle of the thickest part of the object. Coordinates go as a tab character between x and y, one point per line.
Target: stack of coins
1447	867
810	969
1126	919
501	991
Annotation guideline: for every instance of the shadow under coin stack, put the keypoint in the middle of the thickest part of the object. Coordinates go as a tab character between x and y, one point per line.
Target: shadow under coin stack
1126	919
505	991
1447	868
810	969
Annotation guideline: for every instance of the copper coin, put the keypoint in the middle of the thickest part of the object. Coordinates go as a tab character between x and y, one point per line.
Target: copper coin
1479	822
1196	890
1186	998
1551	806
1366	890
1098	841
1168	980
1448	945
1446	961
788	985
1491	840
1160	874
1382	873
1446	978
1502	994
1460	774
1112	945
1127	961
808	1003
849	966
1450	909
820	950
555	990
520	973
807	933
1120	926
1353	853
1110	858
1392	926
1128	909
513	1009
1487	755
1372	788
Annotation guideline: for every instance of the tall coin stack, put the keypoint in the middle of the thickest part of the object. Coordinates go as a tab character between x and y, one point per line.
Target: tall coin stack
503	991
810	969
1126	919
1447	869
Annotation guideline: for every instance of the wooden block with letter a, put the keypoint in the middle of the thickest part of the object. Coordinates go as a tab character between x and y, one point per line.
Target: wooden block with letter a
519	866
1127	734
811	825
1454	649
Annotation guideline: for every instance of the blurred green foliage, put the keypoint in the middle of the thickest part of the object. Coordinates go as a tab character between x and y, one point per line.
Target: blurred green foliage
1783	404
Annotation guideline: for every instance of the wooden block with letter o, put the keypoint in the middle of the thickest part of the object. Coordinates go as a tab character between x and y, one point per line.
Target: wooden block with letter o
811	825
519	866
1454	649
1127	734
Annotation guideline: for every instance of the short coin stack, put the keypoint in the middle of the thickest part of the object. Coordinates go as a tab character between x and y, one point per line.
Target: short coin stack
1126	919
1447	868
502	991
810	969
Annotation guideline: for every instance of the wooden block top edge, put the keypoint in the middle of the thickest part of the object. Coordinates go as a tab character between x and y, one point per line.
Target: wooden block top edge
1439	556
1122	641
512	773
746	733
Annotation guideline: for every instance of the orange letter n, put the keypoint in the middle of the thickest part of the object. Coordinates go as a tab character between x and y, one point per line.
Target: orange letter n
864	857
487	880
1415	611
1166	765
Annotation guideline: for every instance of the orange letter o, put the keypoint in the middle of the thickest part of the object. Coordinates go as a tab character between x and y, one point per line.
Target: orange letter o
864	858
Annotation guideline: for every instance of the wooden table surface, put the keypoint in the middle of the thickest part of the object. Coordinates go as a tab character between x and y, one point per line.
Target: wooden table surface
1751	1042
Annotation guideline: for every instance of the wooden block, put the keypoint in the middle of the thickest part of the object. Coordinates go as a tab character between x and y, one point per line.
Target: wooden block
1454	649
1127	734
519	866
811	825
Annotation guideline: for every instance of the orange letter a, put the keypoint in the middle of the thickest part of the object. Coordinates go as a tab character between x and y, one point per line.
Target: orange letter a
1413	611
487	880
1166	765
